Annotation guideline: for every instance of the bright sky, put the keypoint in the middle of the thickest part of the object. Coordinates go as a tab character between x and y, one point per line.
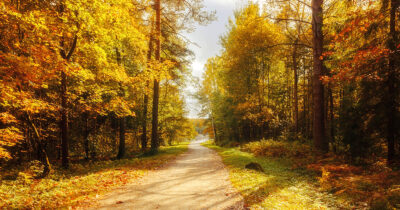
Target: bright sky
207	39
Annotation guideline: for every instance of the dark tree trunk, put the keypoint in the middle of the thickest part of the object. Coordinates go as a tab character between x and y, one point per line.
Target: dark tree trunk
43	157
391	82
295	88
64	122
214	127
146	97
121	148
331	118
86	136
144	123
309	104
318	87
156	87
305	101
64	108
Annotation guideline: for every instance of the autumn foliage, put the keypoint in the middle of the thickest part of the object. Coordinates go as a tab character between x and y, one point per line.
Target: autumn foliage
319	80
73	75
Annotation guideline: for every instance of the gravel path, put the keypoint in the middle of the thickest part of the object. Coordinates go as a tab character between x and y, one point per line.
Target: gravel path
196	180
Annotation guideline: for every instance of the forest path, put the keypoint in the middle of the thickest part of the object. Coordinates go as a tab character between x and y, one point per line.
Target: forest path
196	180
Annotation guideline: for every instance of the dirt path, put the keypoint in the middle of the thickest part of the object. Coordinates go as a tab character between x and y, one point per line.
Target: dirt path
196	180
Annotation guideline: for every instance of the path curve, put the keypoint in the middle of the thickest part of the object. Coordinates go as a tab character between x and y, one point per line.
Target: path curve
196	180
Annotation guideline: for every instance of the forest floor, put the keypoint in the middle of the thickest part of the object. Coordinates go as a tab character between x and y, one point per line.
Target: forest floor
279	187
81	183
196	180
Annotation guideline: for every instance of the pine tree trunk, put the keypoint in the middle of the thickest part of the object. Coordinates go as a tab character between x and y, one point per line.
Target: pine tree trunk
318	87
156	87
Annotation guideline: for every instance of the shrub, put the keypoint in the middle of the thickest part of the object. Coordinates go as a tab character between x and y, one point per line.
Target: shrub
271	148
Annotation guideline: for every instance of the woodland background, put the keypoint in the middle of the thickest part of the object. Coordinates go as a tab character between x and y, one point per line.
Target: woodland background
315	82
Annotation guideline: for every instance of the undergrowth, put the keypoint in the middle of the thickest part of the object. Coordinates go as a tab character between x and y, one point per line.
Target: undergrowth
80	183
372	185
279	187
298	177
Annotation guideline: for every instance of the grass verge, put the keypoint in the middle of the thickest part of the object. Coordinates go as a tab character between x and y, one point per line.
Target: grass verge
280	187
80	183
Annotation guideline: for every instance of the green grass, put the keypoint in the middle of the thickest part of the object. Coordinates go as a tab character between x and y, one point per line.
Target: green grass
280	187
80	183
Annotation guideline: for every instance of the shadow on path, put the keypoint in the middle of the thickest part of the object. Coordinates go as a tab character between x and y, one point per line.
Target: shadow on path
196	180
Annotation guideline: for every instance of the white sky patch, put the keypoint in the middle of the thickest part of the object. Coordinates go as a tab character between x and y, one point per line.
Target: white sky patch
225	2
197	68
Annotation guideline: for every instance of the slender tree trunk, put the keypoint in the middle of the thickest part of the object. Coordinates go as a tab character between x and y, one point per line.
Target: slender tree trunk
66	55
156	93
64	108
318	87
295	88
43	157
146	96
305	101
64	122
144	123
268	87
331	118
309	105
121	149
86	137
214	128
391	82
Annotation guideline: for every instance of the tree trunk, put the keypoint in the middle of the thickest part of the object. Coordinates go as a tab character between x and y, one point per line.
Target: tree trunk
144	123
391	82
121	148
305	99
331	119
318	87
156	87
213	125
295	88
44	157
64	111
86	136
146	96
64	122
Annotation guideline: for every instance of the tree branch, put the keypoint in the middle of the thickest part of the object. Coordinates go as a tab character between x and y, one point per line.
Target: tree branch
71	50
